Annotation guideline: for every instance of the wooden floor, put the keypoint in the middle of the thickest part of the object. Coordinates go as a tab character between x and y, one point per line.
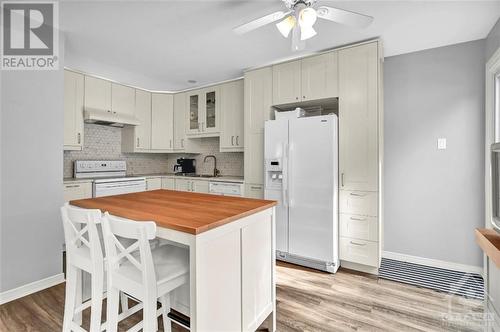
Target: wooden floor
307	301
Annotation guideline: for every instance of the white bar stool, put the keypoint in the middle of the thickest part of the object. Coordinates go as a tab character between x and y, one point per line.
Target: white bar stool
83	253
142	273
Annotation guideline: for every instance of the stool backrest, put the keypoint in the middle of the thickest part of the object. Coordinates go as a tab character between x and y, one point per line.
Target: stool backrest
118	253
80	231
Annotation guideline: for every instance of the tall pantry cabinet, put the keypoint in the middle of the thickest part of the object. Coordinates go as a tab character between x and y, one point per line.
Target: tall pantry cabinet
353	74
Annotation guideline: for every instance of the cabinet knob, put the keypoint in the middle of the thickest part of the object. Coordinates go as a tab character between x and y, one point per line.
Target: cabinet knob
303	97
296	98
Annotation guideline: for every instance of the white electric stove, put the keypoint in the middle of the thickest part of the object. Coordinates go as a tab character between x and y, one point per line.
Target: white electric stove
110	177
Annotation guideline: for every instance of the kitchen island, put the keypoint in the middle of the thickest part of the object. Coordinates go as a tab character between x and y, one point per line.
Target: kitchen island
231	241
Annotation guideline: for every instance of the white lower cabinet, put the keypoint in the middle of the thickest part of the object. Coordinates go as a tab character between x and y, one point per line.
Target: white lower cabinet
153	183
73	191
254	191
168	183
359	251
198	186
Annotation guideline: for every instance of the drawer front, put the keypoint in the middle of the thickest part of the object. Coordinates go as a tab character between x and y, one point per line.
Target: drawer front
359	251
359	202
359	227
73	191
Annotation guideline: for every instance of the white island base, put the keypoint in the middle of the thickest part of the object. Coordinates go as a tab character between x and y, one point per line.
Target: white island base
232	275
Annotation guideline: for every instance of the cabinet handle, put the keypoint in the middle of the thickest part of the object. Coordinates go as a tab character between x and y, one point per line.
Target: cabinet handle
79	138
358	244
358	219
232	140
72	186
357	195
237	143
182	143
170	143
137	141
255	187
342	179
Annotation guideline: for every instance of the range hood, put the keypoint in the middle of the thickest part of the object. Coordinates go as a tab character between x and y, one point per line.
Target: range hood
109	118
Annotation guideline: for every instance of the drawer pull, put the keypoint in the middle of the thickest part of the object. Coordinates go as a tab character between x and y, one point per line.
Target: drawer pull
358	219
73	186
357	195
358	244
256	188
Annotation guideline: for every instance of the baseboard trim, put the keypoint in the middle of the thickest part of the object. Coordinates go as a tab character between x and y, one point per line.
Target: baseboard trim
433	262
33	287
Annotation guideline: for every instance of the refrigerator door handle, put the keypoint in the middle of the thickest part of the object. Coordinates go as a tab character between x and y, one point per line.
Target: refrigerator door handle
289	166
284	184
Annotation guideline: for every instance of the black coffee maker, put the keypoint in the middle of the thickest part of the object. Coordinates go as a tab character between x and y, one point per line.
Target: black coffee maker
185	166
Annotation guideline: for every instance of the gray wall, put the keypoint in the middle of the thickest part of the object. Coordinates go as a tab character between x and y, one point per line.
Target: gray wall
31	172
493	40
435	198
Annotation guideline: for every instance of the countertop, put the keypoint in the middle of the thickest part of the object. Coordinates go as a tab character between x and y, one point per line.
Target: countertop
235	179
187	212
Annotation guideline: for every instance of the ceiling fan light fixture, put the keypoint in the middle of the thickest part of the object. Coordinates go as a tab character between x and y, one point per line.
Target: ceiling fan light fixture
307	32
307	17
286	25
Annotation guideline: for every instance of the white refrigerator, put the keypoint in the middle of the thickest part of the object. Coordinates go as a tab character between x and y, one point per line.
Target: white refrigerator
301	173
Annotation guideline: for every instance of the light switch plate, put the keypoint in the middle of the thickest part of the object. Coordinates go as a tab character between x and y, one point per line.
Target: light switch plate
441	143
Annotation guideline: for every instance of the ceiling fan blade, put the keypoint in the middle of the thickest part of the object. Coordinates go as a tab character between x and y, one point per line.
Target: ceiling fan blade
260	22
344	17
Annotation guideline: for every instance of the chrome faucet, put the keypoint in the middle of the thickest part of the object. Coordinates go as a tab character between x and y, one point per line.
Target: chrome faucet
216	171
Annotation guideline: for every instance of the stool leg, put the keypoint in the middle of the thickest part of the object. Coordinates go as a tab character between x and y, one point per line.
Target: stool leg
165	308
96	304
79	289
149	318
124	301
70	297
112	310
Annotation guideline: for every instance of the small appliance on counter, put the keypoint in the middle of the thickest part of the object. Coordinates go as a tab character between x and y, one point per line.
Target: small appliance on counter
185	166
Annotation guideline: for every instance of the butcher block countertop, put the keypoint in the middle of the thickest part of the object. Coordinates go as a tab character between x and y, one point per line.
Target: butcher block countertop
187	212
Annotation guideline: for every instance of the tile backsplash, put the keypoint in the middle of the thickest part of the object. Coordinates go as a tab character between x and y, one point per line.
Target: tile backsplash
104	143
228	163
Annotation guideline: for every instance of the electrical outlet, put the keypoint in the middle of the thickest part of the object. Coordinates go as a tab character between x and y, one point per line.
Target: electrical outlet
441	143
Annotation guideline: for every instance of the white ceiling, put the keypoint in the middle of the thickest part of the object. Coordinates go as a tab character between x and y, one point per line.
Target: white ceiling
160	45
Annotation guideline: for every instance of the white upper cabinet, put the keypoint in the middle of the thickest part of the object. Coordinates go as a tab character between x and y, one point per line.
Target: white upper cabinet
97	94
122	99
202	114
257	109
143	113
73	110
286	83
179	121
258	99
311	78
358	117
162	122
138	138
231	111
319	76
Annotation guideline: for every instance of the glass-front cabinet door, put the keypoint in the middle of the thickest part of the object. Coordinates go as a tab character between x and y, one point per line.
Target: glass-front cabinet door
193	113
211	116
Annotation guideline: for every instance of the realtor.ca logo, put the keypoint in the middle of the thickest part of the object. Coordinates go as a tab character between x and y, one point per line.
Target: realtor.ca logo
29	35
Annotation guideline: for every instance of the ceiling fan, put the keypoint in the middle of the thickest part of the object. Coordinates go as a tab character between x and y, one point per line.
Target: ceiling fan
300	18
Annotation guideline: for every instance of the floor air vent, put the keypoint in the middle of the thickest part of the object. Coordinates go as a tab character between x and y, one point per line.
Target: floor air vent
454	282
